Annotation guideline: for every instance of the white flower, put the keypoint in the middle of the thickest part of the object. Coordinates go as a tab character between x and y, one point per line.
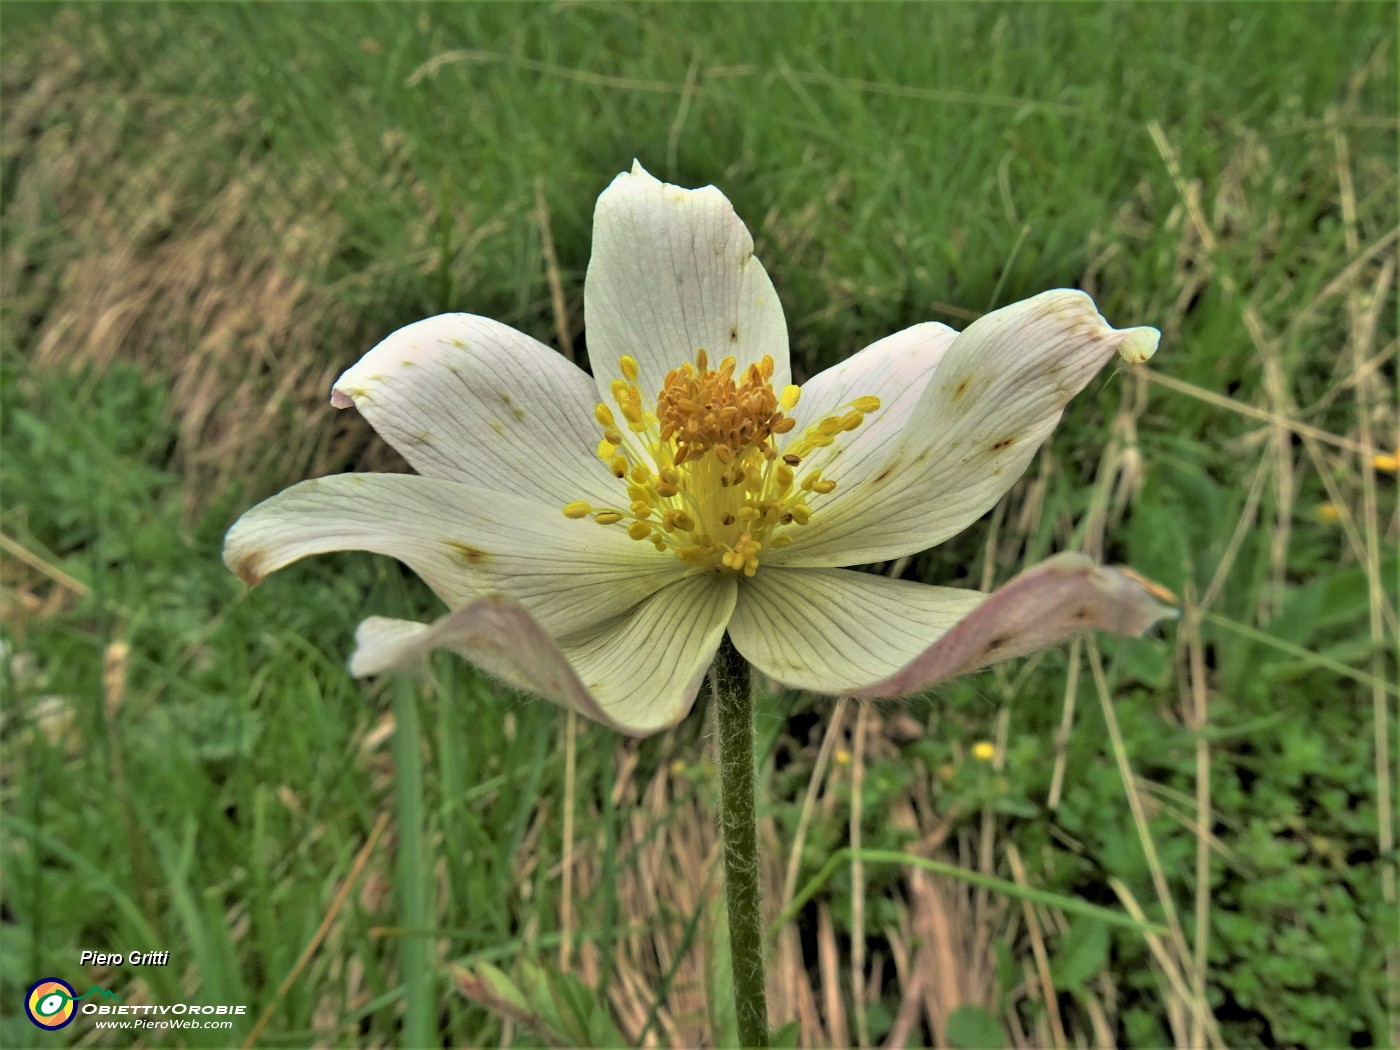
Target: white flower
594	537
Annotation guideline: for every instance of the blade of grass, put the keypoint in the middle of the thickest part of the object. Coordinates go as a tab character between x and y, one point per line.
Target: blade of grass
1360	336
361	858
974	878
1324	662
663	988
413	877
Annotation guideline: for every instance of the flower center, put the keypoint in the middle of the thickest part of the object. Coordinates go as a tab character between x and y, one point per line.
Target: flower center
704	476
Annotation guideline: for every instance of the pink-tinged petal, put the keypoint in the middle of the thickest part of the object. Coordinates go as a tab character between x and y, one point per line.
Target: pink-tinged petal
637	673
464	542
997	394
673	272
1043	606
469	399
834	630
896	369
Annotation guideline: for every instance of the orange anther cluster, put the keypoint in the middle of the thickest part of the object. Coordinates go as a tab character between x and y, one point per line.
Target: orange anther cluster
703	409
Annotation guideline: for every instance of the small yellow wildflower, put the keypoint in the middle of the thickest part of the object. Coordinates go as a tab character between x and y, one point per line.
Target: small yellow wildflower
842	757
1328	512
984	751
1387	461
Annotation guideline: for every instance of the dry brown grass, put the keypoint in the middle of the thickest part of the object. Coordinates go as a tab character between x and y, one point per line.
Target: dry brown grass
125	245
936	955
938	952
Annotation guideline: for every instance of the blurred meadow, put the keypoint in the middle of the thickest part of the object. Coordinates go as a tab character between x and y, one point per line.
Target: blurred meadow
209	211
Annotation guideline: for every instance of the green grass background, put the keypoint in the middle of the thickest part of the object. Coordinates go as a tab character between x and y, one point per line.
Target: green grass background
210	210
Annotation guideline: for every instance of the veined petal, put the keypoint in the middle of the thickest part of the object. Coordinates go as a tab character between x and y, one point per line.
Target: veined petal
896	370
673	272
637	672
472	400
834	630
464	542
998	393
819	629
1043	606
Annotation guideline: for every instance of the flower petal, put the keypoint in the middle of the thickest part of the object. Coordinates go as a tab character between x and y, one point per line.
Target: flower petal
673	272
856	634
637	672
472	400
1048	603
999	391
463	542
896	370
833	630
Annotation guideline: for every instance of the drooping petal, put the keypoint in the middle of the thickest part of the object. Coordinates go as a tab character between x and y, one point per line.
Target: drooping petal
1048	603
673	272
812	629
637	672
896	370
998	393
833	630
472	400
463	542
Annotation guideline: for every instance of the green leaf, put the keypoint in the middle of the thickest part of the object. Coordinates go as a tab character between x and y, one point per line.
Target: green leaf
1011	806
973	1028
573	1004
1082	953
786	1037
1008	973
719	978
540	996
502	986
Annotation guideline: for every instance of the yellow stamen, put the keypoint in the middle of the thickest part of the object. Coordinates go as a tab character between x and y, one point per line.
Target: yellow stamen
702	465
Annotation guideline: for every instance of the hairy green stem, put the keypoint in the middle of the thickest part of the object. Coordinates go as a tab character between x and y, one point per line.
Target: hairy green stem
729	677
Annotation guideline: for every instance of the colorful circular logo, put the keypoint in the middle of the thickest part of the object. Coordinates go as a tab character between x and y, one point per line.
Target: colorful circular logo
50	1003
